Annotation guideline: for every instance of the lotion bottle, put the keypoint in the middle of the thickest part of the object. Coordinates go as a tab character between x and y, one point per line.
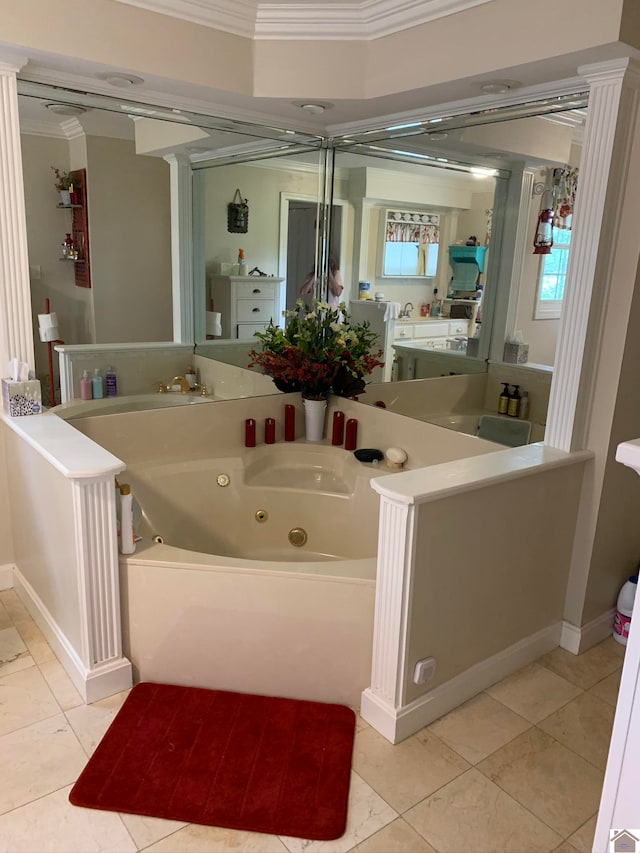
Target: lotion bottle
96	385
242	264
85	386
513	409
503	399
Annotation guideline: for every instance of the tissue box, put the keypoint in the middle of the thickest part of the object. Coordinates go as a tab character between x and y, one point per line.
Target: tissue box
21	398
516	353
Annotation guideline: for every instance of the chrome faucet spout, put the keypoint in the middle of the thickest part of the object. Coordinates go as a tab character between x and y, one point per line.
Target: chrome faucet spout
405	310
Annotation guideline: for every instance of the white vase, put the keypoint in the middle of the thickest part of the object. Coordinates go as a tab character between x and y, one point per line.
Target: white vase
314	412
65	197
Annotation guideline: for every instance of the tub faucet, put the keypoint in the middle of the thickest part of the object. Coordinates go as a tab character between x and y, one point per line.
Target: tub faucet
177	380
405	311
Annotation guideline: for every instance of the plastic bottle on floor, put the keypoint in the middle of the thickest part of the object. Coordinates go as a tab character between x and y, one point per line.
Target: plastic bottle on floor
624	608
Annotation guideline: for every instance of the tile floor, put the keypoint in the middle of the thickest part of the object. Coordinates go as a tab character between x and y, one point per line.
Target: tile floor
517	768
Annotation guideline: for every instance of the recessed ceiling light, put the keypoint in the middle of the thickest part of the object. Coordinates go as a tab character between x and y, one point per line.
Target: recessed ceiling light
66	109
122	81
498	87
314	108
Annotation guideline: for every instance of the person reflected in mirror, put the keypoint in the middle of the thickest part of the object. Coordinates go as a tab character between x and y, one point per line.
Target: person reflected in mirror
336	286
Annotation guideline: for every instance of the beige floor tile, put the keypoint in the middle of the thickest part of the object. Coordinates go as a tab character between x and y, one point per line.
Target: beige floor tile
5	619
14	655
367	814
586	669
397	837
52	825
479	727
35	641
90	722
584	725
195	838
534	692
406	772
60	685
554	783
582	839
565	847
608	688
25	699
43	757
149	830
473	814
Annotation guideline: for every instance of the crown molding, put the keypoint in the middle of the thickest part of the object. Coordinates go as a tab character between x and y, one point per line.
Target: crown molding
360	20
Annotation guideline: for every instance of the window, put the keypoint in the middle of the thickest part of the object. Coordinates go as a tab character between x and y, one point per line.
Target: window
553	272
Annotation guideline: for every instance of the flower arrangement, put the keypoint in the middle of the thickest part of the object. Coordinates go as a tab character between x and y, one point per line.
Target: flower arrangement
318	351
63	180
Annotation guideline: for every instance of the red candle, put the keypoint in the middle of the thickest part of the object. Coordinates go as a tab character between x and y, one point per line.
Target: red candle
337	436
351	434
269	431
289	422
250	433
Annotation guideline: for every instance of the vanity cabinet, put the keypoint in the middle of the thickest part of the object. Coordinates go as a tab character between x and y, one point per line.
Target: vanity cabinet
430	333
247	304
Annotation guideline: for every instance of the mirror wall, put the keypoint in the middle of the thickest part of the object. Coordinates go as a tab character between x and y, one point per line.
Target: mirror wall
126	150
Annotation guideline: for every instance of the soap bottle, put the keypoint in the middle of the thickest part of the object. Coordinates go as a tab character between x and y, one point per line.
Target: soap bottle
111	382
435	304
513	408
96	385
503	399
85	386
242	264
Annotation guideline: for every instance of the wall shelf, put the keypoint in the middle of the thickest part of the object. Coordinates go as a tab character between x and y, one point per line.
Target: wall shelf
80	229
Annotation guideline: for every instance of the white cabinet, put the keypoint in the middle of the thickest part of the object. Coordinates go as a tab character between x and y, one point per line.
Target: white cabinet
246	303
429	334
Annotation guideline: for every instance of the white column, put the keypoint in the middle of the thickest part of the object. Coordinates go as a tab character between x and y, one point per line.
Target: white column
16	333
181	247
383	699
106	671
609	133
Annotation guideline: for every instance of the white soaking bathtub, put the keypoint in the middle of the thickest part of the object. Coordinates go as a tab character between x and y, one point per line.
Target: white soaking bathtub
264	580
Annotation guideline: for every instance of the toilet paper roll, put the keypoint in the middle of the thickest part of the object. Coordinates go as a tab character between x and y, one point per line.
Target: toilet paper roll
212	323
48	334
45	321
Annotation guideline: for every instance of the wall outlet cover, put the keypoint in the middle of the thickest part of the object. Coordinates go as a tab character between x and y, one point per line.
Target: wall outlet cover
424	670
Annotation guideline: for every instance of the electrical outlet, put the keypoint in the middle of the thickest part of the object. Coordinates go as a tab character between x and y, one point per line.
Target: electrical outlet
424	670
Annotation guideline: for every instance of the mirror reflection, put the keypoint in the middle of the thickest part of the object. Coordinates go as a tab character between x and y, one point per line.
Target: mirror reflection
453	186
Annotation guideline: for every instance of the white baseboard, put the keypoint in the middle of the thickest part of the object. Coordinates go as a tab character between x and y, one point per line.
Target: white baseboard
6	576
578	640
92	684
396	724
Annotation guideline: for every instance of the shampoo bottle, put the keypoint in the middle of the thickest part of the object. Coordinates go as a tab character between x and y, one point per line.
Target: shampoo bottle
513	409
85	386
503	399
111	382
127	541
96	385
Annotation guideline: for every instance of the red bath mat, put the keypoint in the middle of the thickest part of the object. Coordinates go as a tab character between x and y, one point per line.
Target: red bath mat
218	758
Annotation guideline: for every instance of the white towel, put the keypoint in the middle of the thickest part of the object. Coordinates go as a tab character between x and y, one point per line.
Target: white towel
212	323
392	312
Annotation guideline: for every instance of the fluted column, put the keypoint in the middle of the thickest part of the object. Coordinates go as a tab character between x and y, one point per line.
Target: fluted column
16	333
614	97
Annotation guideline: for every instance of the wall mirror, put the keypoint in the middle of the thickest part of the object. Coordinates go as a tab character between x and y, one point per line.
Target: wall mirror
130	297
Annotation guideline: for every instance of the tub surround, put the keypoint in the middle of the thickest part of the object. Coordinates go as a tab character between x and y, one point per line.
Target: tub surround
479	611
65	556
